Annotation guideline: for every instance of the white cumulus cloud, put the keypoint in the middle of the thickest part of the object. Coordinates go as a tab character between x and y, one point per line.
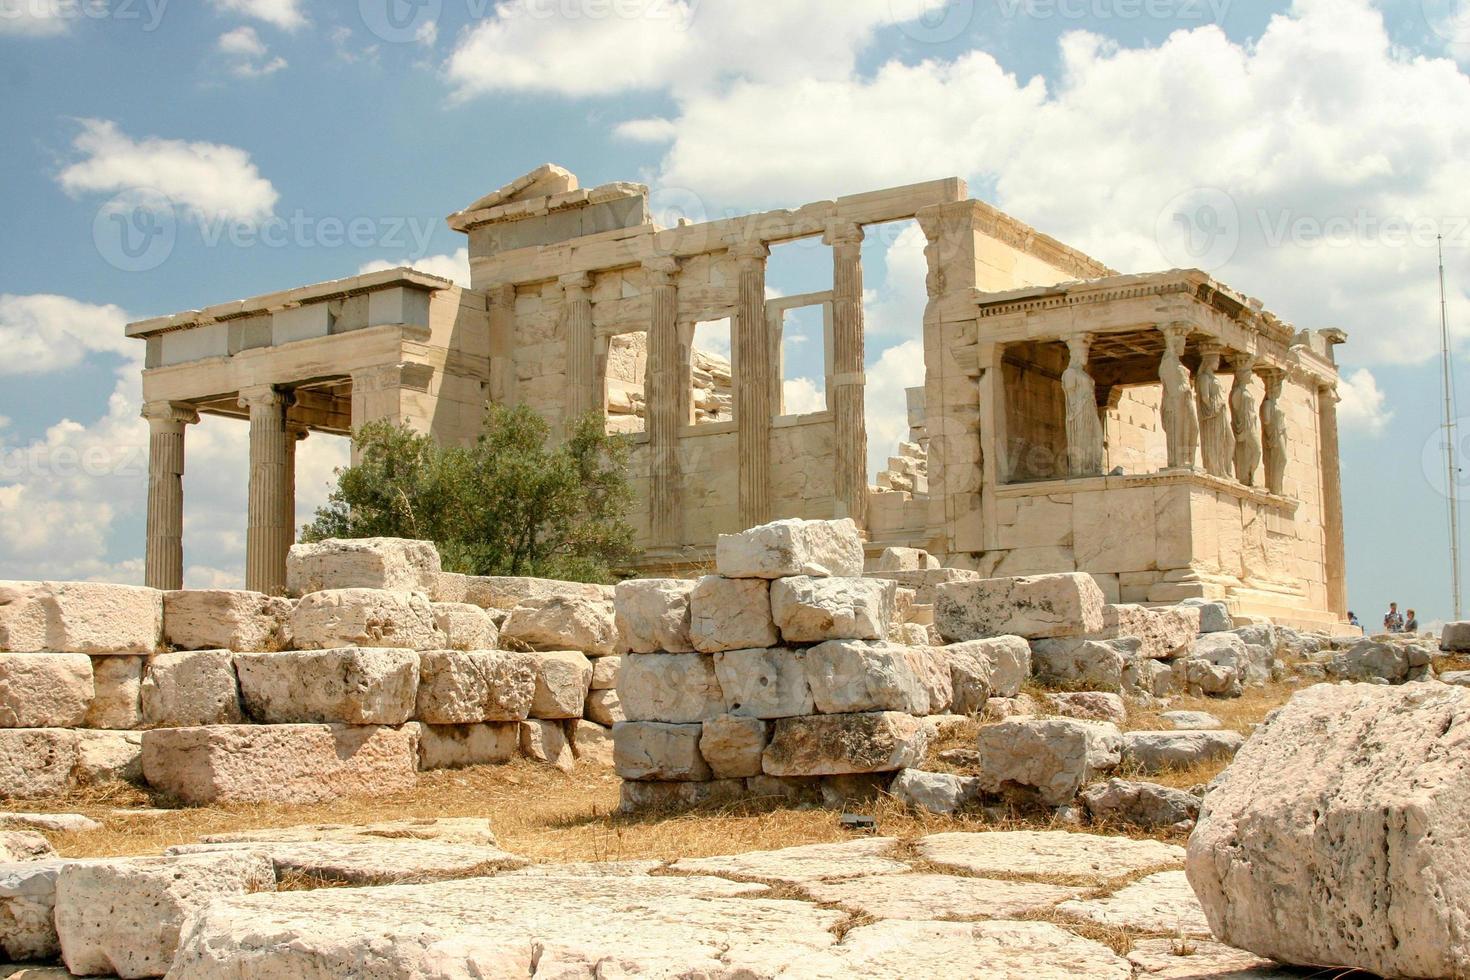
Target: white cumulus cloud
1363	407
455	268
247	54
43	332
285	14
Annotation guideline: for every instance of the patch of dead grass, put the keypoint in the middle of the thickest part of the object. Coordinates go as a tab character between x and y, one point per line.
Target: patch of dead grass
1240	714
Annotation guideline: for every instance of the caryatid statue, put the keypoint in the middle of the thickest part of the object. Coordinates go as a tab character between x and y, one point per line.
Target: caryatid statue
1181	424
1245	421
1217	442
1273	425
1084	426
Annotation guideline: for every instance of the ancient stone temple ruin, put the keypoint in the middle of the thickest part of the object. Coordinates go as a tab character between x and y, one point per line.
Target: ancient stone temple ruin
1162	432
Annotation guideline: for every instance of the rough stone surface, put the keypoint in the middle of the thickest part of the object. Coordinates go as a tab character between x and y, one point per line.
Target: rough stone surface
1087	706
455	830
199	687
362	563
79	617
1459	678
563	679
106	757
1214	617
764	683
1340	834
356	863
457	746
1160	903
45	690
807	863
605	708
1162	633
932	667
783	549
221	619
1218	664
563	623
653	615
23	845
351	686
641	795
465	626
118	699
1033	607
508	592
68	823
651	750
546	741
937	792
970	674
123	916
854	675
677	688
903	560
1084	663
605	672
1194	959
36	762
1048	760
812	610
931	896
731	614
458	687
1192	721
1388	660
1088	857
1455	637
1158	751
592	743
733	745
829	745
1009	658
364	618
1140	804
27	911
279	763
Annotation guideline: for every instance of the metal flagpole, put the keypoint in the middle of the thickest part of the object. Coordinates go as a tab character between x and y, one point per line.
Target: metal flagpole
1452	471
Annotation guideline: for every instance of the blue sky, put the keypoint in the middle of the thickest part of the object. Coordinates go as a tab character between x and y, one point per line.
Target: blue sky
296	141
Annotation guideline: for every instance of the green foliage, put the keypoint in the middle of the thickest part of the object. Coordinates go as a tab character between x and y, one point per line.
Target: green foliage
508	505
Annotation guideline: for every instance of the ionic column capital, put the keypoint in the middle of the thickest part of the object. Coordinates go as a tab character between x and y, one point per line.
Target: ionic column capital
843	233
176	413
263	397
744	251
575	284
661	269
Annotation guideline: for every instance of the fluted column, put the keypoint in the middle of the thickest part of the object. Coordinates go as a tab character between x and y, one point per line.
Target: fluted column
1331	470
294	435
581	374
662	385
163	564
848	382
269	523
753	384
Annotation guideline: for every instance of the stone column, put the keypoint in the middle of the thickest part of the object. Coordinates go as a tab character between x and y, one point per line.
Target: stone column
163	566
502	344
1335	545
752	365
848	383
269	522
295	433
1084	425
662	388
1245	420
1181	424
581	373
1217	443
1273	431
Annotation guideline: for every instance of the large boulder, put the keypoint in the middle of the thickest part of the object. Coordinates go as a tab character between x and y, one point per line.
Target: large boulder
220	619
937	792
786	548
563	623
651	750
364	618
459	687
37	762
465	626
24	845
1085	664
830	745
1162	633
604	708
457	746
732	745
1046	760
45	690
903	560
1214	617
350	686
362	563
505	592
79	617
675	688
279	763
198	687
764	683
1340	834
812	610
108	757
1219	665
1382	660
1009	658
605	671
1455	638
652	615
118	684
563	679
1034	607
971	677
1150	752
1086	706
853	675
731	614
545	740
1139	804
28	909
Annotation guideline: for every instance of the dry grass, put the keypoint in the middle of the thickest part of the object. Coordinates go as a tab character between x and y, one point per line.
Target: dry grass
1452	662
1240	714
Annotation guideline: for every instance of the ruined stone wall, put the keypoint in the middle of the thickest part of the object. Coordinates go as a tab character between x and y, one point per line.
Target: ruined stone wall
1134	433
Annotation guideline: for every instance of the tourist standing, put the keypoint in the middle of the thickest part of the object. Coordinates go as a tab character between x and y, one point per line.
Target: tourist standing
1411	623
1393	620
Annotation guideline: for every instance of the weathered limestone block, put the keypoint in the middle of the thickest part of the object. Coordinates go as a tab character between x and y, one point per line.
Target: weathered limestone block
1150	678
364	618
1163	633
36	762
854	675
592	743
804	863
1214	617
904	560
350	686
1198	959
605	708
656	751
1459	678
563	680
1033	607
1020	706
28	908
1009	658
24	845
366	862
813	610
764	683
219	619
545	740
64	823
1455	637
1087	706
970	675
731	614
45	690
1083	663
937	792
676	688
181	690
458	687
653	615
914	635
1340	833
1217	664
362	563
279	763
465	627
458	746
123	916
1137	804
108	757
933	669
638	795
1157	751
605	671
79	617
1192	721
118	699
564	623
786	548
732	745
505	592
1160	903
1041	852
1373	659
928	897
830	745
1048	760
